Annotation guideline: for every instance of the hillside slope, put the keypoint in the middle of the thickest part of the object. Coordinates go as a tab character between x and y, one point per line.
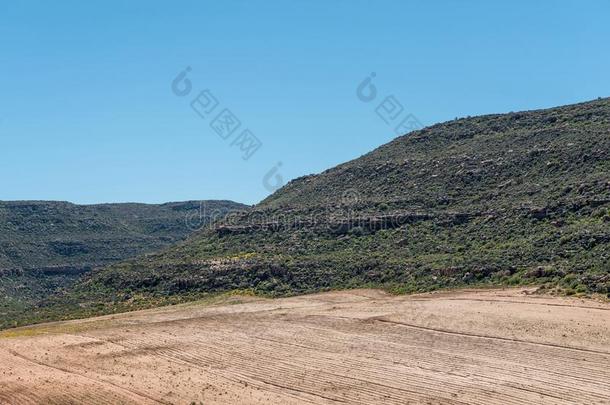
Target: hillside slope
497	199
44	234
46	245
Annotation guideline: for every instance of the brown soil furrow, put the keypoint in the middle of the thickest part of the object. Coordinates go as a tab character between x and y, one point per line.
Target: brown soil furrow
421	383
357	347
239	376
177	356
545	382
194	359
497	372
602	361
510	356
472	335
319	384
14	393
102	382
597	308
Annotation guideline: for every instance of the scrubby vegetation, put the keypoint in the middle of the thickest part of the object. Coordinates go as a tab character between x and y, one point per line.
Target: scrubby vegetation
46	246
505	199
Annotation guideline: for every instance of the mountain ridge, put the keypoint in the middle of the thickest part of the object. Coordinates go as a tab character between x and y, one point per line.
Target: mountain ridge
500	199
46	246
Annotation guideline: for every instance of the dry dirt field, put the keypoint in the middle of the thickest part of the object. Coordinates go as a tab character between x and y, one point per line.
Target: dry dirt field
353	347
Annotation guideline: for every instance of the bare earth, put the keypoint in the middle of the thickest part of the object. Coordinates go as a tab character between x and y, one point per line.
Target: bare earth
354	347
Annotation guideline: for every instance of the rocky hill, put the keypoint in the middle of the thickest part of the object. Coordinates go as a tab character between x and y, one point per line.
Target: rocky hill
499	199
46	245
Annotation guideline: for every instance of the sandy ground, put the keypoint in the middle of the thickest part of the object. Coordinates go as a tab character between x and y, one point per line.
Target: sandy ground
354	347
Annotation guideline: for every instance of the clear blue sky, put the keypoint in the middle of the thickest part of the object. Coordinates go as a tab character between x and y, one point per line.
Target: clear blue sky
87	113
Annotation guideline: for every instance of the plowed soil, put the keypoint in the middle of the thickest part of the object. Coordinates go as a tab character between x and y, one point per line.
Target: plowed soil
352	347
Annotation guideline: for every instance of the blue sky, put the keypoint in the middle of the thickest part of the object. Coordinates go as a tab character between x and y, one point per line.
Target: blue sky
87	112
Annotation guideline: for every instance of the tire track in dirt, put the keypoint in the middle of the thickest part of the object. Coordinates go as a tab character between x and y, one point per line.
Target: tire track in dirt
472	335
597	308
83	376
498	371
506	355
235	355
195	359
137	347
356	347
